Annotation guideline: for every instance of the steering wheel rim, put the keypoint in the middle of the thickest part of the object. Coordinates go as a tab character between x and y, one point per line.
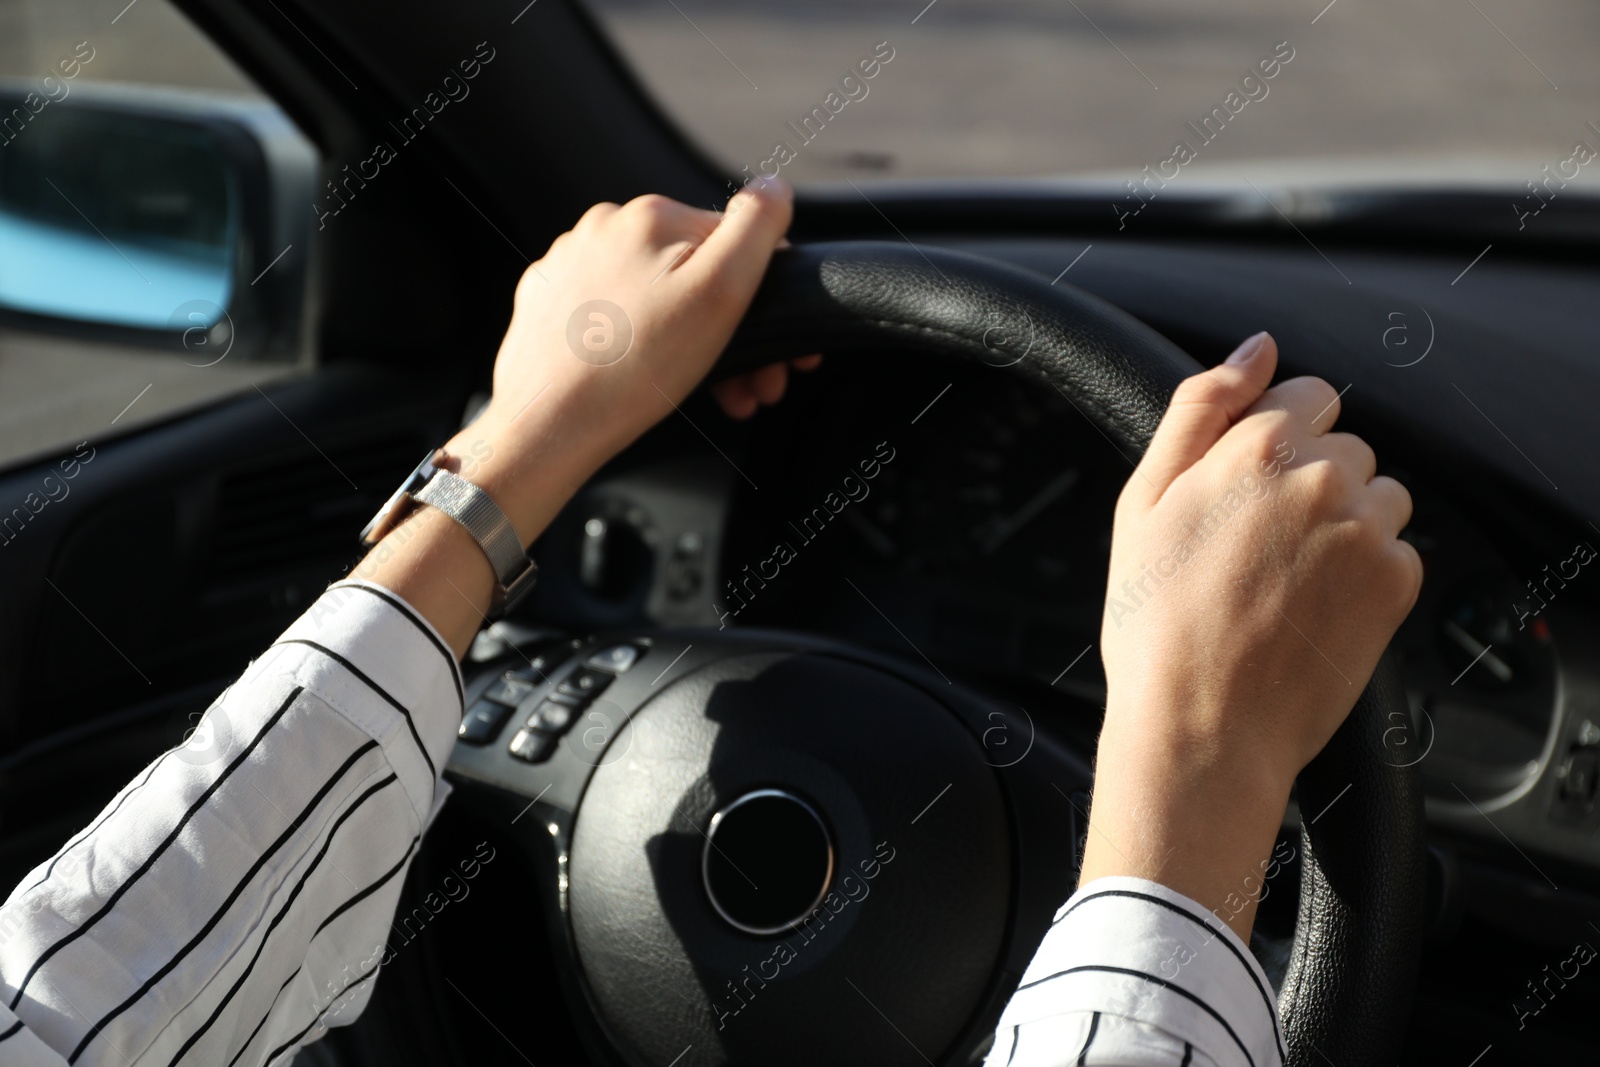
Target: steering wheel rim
1363	883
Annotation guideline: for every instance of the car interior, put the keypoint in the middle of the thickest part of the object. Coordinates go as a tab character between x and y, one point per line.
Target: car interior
256	260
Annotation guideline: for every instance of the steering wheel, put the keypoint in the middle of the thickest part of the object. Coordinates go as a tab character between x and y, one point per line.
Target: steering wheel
787	850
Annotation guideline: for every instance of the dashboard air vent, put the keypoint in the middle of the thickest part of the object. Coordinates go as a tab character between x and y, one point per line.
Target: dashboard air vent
301	510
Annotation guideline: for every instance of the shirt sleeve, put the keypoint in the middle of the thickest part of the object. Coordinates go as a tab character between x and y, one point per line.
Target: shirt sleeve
234	900
1132	974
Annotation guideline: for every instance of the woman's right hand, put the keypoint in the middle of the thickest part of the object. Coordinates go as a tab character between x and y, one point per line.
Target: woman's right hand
1256	577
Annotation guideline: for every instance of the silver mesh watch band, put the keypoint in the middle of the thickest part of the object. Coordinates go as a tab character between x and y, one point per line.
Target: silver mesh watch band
488	525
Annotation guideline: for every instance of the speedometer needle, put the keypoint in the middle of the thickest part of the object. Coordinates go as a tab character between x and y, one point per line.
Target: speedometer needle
1042	499
1496	665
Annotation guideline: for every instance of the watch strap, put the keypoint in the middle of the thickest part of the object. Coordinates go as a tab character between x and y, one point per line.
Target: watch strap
475	510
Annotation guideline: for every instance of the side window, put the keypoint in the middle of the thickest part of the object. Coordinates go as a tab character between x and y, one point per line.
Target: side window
145	264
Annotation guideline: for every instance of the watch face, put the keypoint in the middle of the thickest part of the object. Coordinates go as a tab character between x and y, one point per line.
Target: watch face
394	507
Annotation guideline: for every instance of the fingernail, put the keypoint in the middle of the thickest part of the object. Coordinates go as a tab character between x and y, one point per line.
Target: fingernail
763	186
1248	350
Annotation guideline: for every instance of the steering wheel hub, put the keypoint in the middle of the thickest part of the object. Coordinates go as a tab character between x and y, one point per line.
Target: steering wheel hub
765	837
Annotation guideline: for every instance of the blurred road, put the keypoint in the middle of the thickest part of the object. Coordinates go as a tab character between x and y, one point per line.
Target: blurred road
1035	87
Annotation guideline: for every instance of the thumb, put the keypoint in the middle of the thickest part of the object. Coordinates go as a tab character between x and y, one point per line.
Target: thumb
1202	410
734	257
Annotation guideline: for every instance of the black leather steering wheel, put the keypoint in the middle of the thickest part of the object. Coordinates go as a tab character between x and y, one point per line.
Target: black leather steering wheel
856	743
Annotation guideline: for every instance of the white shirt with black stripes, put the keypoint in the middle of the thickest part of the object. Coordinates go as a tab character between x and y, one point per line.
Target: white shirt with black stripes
231	901
235	899
1132	974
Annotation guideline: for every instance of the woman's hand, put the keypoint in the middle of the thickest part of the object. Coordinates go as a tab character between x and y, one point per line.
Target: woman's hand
612	328
1256	577
615	325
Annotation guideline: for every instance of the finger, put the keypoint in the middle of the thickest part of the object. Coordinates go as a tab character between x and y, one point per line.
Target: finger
692	228
734	256
674	256
1353	454
1312	403
1392	502
1413	562
671	231
561	241
596	215
806	362
769	382
737	399
698	224
1202	409
662	221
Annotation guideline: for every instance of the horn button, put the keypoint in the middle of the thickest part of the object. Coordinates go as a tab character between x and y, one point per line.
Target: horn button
767	863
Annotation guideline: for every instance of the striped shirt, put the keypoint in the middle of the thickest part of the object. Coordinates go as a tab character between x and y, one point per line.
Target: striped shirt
1132	973
234	900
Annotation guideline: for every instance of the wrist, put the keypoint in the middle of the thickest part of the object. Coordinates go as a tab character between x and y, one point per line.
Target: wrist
1192	785
527	467
1188	812
434	563
1211	725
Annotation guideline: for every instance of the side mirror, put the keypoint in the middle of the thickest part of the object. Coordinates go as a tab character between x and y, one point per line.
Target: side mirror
156	218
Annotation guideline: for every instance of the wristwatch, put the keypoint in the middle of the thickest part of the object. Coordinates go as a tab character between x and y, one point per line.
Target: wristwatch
470	506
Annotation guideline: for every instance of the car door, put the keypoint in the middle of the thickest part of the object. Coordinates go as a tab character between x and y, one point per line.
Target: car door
181	468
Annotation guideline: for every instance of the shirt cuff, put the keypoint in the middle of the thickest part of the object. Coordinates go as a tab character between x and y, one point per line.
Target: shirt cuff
366	652
1137	950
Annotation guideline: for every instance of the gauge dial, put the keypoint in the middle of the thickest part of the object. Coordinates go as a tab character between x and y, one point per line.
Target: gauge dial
1479	670
998	490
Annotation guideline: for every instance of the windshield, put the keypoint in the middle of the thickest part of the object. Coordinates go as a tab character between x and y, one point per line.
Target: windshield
1446	91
